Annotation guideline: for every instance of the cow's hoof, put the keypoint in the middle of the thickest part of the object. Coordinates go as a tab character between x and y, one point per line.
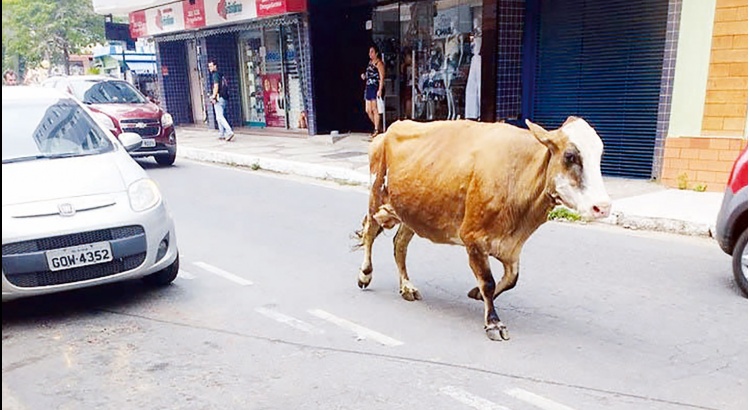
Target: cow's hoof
410	294
363	280
497	333
475	294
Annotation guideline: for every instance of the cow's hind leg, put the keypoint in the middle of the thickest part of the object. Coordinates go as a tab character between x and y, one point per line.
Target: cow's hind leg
400	244
510	277
480	265
370	230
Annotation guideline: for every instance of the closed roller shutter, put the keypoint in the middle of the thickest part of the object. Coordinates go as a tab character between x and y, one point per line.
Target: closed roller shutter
602	60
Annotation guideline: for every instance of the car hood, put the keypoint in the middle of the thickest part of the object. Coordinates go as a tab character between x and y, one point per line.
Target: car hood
46	180
128	111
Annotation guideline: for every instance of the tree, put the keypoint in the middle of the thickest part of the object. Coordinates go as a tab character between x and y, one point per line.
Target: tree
37	30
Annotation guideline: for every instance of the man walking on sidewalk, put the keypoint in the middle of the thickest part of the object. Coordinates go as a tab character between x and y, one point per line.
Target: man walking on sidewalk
219	97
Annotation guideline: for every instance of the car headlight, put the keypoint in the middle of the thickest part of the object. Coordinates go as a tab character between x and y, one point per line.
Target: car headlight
166	120
143	194
105	121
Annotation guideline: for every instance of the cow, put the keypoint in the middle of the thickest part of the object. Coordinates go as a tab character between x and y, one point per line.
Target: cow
484	186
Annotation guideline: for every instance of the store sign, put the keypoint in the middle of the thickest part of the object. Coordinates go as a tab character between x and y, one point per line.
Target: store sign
223	11
274	7
165	19
138	27
195	14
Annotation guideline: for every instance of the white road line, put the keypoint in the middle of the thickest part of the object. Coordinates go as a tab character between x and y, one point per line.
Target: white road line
536	400
185	275
224	274
288	320
361	331
469	399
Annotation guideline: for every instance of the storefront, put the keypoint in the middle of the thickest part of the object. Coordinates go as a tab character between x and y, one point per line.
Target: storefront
260	46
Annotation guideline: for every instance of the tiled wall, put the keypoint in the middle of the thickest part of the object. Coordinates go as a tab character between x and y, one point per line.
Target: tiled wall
173	76
510	22
699	162
704	161
725	112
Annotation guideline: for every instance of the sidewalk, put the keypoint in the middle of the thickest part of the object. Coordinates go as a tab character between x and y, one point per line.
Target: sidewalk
638	204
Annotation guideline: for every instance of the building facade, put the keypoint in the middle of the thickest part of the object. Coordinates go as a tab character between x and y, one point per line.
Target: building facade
664	82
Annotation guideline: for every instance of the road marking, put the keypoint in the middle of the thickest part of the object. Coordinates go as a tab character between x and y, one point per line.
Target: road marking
185	275
288	320
361	331
470	400
536	400
224	274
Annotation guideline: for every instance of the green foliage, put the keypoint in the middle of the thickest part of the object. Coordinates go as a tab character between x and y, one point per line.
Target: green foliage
682	181
563	213
700	188
37	30
94	70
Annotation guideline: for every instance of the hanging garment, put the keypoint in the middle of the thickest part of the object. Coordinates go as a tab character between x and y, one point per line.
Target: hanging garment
473	88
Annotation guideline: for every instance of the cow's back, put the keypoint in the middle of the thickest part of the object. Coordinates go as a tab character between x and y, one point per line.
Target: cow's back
430	167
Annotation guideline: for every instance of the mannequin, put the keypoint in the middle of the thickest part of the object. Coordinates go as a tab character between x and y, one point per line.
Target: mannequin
454	50
474	82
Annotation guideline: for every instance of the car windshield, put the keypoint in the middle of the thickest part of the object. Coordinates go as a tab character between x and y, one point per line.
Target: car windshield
106	92
47	129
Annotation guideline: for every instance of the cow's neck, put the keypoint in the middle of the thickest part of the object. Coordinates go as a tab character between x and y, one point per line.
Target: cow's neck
544	196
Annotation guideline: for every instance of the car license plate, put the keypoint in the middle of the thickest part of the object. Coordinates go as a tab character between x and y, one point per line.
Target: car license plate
148	143
77	256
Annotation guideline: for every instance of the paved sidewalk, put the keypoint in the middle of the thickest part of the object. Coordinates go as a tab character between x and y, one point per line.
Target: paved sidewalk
637	204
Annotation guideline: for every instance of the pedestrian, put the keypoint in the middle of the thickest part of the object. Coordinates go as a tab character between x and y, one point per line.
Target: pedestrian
9	77
219	97
373	77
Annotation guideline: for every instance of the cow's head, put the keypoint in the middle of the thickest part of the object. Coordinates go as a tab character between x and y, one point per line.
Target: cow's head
574	167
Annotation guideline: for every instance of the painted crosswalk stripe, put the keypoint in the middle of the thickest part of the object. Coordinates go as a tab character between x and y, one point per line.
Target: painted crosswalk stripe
288	320
462	396
536	400
361	331
224	274
185	275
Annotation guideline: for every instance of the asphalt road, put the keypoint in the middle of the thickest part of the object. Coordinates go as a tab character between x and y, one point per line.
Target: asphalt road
266	314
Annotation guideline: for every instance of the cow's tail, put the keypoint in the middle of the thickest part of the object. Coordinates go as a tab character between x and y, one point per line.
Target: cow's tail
378	188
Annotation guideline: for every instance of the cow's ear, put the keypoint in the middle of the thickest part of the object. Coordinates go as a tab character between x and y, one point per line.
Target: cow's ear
544	136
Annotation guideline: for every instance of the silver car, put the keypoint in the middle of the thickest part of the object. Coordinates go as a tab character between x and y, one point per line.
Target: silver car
78	211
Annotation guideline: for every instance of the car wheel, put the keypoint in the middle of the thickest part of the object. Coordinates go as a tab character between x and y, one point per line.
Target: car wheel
739	262
165	276
167	159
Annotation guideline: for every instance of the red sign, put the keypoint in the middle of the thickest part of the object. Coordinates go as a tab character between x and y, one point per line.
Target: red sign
273	7
138	27
195	14
273	100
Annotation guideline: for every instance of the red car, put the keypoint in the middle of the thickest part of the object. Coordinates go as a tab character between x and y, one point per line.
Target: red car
121	107
731	223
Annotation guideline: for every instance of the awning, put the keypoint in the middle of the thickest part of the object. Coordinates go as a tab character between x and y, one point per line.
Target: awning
141	67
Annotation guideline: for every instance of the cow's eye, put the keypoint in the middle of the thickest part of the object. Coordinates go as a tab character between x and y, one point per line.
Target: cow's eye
571	158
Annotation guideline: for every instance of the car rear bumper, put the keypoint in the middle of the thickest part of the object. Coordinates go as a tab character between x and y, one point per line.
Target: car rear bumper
732	215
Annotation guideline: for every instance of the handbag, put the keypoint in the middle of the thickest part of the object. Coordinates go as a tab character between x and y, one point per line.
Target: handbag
381	105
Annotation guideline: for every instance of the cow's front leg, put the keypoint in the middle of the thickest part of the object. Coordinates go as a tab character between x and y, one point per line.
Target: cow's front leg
400	244
370	230
480	265
509	280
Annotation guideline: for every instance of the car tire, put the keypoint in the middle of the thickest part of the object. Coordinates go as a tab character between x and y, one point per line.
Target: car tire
166	160
165	276
740	252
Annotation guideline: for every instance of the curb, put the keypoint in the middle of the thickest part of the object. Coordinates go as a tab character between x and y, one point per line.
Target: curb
282	166
352	177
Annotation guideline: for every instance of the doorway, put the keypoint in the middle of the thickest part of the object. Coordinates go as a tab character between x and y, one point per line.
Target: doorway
197	94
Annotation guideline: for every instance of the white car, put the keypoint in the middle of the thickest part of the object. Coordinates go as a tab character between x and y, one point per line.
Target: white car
78	211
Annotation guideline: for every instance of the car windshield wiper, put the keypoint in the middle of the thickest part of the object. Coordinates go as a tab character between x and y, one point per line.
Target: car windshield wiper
44	156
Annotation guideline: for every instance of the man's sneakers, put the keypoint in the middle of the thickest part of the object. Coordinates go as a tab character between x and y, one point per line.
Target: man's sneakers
230	136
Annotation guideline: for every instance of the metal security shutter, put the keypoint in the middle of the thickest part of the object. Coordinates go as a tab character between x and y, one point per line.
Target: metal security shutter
602	60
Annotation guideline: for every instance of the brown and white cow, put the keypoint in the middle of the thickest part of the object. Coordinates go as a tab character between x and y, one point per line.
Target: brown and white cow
486	186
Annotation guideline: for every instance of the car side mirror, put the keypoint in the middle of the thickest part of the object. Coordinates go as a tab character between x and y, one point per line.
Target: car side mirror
130	140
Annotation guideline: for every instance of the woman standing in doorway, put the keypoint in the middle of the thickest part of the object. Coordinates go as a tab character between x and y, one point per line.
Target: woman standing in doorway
373	78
